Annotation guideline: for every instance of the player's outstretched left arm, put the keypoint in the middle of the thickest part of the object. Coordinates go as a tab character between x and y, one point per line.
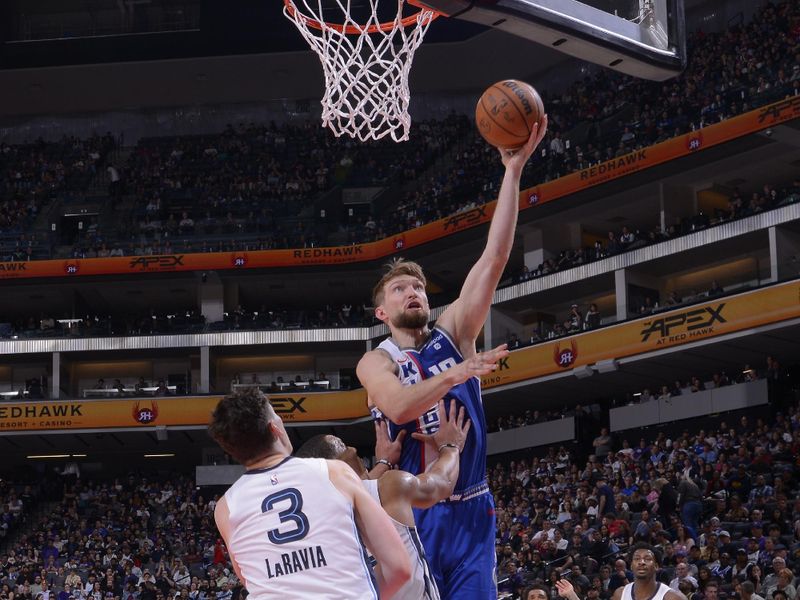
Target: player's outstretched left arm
439	478
466	316
401	491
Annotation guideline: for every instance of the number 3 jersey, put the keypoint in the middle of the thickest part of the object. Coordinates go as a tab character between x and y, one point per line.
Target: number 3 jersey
294	534
436	355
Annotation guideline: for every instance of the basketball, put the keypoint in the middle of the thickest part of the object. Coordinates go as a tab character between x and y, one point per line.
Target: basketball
507	112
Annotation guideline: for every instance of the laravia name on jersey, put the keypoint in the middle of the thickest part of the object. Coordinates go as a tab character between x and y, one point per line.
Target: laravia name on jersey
297	561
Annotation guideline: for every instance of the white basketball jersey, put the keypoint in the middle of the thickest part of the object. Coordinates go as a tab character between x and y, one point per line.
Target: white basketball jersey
627	592
294	535
421	585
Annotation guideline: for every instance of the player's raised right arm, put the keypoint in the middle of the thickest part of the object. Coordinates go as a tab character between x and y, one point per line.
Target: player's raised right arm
380	536
404	403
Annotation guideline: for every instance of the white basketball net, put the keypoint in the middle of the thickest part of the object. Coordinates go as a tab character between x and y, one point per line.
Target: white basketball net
366	69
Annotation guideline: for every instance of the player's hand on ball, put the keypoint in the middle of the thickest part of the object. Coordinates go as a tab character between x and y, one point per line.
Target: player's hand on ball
515	159
385	447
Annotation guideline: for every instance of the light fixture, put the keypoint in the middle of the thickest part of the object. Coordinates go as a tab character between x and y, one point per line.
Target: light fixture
583	372
607	366
47	456
166	455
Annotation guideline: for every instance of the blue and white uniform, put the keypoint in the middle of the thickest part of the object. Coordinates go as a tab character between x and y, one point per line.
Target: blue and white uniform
458	533
421	585
294	534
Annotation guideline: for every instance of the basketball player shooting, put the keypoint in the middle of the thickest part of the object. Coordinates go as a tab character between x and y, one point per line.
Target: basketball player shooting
411	371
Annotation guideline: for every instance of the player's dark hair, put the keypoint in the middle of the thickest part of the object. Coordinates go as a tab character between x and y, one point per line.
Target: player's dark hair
396	268
536	586
644	546
240	425
319	446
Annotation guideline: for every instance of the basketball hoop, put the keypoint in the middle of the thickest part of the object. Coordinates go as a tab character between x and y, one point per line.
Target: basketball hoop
366	65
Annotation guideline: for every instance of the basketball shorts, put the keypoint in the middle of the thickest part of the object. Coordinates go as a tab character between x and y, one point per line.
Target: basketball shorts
458	538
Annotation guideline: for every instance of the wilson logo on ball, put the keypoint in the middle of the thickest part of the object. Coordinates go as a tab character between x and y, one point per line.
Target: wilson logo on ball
566	357
507	113
145	415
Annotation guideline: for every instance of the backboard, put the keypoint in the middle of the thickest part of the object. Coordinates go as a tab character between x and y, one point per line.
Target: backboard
644	38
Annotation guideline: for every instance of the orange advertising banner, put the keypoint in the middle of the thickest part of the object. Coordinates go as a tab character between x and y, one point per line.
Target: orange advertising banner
185	411
654	332
639	160
661	330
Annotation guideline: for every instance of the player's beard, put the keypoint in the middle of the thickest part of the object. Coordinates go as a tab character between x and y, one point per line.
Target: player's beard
416	319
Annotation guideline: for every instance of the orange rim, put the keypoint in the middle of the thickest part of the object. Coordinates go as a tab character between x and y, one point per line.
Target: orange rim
354	29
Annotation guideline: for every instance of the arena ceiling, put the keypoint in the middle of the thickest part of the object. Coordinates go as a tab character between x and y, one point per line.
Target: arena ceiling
76	56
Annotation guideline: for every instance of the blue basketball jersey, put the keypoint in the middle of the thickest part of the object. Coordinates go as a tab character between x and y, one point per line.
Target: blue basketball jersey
436	355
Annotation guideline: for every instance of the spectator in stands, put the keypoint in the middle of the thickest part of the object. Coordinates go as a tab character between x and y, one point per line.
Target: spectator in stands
592	318
690	498
715	290
741	566
696	385
667	500
626	238
783	584
773	371
140	385
612	245
605	495
647	306
682	574
673	299
771	580
575	319
748	592
602	445
186	224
